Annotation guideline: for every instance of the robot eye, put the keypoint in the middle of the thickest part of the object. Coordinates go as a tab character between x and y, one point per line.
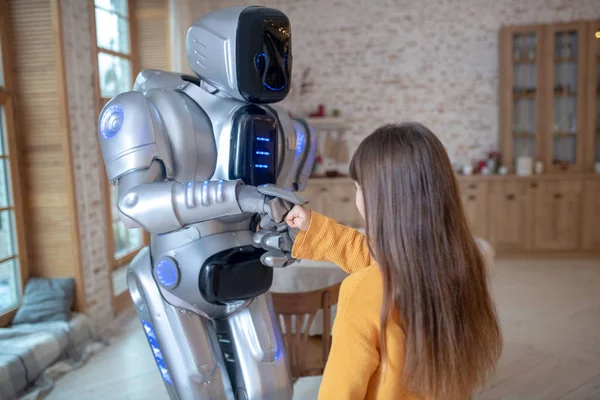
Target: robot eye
260	62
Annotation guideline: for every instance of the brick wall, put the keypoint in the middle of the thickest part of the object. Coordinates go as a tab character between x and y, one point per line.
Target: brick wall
433	61
88	166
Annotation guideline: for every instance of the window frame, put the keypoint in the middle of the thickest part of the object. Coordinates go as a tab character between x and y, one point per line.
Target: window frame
100	102
7	102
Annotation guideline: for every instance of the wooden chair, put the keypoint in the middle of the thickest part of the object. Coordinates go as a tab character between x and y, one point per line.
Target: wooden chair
306	354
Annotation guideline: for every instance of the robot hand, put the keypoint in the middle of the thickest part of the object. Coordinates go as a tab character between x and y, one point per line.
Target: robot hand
278	243
272	203
268	200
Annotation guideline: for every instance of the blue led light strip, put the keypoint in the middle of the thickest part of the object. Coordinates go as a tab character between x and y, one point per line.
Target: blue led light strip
262	139
156	352
261	165
263	153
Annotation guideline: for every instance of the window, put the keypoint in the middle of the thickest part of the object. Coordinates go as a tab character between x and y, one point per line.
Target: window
13	271
126	240
10	284
116	69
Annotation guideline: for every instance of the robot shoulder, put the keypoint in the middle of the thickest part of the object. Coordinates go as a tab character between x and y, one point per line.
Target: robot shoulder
132	135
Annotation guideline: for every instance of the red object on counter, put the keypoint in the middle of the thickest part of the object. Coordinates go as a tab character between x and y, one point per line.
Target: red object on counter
319	113
480	165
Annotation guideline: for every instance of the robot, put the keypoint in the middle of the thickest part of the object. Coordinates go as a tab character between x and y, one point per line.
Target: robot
209	165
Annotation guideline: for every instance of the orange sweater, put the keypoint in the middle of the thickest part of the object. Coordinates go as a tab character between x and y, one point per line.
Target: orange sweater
353	370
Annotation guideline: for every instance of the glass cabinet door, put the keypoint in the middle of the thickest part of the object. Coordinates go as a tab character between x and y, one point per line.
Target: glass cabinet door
566	78
594	37
525	94
520	123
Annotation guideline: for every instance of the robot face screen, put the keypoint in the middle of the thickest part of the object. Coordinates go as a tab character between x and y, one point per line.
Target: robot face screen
264	55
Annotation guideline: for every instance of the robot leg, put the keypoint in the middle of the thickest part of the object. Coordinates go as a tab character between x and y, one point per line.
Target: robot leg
183	343
254	354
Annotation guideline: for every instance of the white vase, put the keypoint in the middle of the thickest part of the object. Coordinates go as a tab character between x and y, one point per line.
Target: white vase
539	167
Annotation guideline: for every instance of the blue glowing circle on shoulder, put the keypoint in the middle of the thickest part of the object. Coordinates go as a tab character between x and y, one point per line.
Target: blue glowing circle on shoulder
111	121
167	273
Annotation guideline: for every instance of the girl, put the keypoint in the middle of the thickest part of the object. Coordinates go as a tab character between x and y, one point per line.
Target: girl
415	319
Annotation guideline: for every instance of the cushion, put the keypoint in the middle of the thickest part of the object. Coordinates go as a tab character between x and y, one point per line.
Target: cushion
46	300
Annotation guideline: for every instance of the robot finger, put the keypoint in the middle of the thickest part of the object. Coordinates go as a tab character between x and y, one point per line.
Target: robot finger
270	240
277	259
282	193
267	223
279	209
285	241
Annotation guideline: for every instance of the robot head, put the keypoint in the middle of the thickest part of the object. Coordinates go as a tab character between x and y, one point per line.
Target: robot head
245	52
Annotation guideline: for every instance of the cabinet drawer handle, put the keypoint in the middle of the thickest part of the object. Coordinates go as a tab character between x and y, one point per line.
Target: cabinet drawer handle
323	190
345	199
471	198
557	196
472	186
510	197
534	185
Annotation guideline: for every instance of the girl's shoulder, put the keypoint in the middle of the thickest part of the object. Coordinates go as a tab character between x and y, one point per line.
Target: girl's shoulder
365	284
369	275
361	297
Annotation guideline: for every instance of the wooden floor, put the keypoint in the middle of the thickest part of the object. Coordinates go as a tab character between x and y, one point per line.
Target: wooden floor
550	312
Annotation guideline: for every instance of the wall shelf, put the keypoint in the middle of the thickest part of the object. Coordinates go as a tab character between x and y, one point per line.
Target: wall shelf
329	122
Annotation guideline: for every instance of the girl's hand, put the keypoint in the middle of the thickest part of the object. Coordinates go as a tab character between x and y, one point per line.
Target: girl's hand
298	217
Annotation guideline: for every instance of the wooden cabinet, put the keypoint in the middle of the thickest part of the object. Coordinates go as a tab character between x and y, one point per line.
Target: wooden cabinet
543	215
334	198
593	93
549	111
510	215
536	215
342	204
557	215
314	194
591	215
547	105
475	202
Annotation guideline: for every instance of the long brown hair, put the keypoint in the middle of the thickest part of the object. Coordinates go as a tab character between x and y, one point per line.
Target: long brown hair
433	271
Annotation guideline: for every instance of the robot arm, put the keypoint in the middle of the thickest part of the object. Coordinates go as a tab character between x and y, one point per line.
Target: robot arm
137	155
161	207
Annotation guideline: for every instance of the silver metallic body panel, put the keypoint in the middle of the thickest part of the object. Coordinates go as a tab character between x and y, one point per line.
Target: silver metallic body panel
138	136
156	79
287	147
310	146
189	133
211	49
187	343
190	257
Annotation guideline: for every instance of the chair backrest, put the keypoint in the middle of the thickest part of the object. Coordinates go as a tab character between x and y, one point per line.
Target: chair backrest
296	313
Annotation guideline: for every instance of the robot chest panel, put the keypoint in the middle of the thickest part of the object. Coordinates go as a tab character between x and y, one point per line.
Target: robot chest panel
254	146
